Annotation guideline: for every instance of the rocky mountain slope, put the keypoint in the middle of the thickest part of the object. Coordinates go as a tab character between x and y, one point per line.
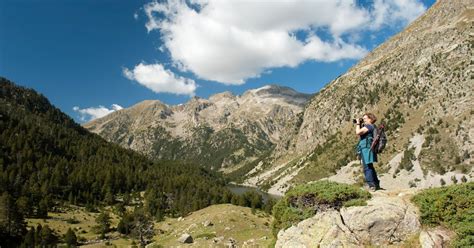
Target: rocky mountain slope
222	132
419	82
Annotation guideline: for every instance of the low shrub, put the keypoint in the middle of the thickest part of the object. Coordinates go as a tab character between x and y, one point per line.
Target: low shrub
451	206
304	201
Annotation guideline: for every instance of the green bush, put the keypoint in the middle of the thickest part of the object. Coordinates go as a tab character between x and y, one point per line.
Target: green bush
304	201
451	206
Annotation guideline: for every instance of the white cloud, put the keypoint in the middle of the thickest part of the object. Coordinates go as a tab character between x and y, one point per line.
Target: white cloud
229	41
395	12
158	79
92	113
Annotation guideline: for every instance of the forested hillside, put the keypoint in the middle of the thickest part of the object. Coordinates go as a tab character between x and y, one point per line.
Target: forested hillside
47	159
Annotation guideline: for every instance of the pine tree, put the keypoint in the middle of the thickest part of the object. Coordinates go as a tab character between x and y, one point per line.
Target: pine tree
29	240
43	208
47	237
70	238
126	223
109	198
143	227
71	198
103	224
256	200
268	207
126	199
38	239
12	222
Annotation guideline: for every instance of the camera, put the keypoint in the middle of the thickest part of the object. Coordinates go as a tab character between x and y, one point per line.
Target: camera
361	121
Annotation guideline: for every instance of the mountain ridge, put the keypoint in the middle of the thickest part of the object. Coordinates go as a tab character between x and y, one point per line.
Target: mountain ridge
255	120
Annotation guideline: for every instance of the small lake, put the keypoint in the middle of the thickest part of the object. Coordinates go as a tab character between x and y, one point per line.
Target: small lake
241	189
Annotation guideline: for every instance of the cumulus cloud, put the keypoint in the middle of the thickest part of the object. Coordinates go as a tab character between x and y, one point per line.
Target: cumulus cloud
159	80
229	41
395	12
92	113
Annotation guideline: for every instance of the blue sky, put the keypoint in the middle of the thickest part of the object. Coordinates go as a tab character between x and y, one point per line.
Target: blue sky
83	54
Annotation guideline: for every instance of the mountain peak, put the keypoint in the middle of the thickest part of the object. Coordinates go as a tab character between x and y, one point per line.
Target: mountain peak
274	91
220	96
148	104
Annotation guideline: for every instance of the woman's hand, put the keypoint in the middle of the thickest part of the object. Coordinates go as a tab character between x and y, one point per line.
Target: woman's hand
359	130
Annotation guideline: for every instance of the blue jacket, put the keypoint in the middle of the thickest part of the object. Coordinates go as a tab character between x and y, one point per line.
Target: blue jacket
363	147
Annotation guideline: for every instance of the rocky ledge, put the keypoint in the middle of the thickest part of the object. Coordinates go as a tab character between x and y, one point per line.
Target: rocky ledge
388	219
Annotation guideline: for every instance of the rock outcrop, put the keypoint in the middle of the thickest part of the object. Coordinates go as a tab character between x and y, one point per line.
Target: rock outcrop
386	220
435	238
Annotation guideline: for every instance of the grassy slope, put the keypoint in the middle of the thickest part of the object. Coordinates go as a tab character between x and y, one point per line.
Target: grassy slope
243	224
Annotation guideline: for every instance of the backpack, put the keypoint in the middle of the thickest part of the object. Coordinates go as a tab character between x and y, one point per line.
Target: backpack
380	139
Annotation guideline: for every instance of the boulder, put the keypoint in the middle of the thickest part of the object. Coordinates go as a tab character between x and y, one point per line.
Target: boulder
207	223
185	239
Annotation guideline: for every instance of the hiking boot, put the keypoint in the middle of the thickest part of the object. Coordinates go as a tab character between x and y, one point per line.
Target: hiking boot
369	188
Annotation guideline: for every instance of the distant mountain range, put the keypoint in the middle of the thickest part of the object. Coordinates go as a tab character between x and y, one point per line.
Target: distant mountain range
223	132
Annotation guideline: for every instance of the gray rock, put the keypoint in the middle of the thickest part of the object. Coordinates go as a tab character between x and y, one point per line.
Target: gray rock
324	229
217	240
435	238
231	243
249	244
385	220
186	239
207	223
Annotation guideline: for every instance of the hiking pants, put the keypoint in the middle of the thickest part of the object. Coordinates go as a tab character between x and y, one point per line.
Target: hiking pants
370	175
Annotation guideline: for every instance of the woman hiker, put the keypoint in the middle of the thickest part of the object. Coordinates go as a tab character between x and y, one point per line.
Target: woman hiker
368	157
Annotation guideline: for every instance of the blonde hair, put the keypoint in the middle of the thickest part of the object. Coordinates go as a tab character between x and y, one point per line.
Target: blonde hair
371	117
